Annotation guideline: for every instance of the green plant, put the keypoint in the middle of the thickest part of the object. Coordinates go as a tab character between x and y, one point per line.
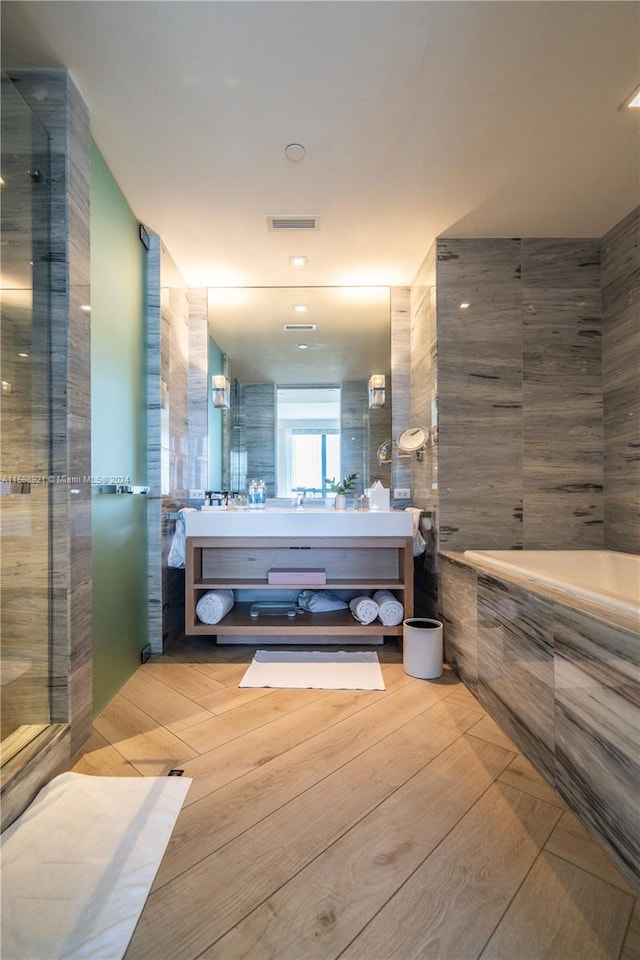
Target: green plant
341	486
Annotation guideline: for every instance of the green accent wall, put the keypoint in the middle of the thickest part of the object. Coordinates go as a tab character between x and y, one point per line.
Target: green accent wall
118	435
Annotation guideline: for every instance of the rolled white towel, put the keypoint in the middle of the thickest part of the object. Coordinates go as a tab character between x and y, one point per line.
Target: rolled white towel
390	610
214	605
364	609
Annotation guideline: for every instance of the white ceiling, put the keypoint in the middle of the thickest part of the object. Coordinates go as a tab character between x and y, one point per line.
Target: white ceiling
418	118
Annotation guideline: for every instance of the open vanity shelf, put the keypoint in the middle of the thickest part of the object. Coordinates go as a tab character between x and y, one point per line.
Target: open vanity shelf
358	564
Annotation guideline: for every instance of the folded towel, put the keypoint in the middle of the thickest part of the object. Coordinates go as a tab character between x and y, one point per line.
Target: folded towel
320	601
178	544
419	544
364	609
390	610
214	605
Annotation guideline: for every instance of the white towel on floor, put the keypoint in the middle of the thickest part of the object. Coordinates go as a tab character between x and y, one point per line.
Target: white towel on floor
364	609
78	864
214	605
390	610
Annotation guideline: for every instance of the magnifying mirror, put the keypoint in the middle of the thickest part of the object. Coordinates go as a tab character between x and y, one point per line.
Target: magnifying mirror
412	439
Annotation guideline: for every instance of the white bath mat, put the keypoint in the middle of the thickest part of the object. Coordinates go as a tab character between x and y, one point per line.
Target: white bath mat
78	865
315	669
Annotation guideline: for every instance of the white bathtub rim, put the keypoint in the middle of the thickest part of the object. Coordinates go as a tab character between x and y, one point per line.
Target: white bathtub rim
502	561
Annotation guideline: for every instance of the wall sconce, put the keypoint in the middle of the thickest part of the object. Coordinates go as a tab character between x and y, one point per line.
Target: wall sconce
376	391
220	386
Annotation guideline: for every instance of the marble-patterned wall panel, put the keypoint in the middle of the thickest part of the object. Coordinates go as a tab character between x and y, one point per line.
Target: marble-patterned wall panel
621	383
424	379
479	393
167	345
354	431
157	532
400	378
562	395
515	666
457	603
198	459
258	413
55	100
24	438
379	431
597	718
178	381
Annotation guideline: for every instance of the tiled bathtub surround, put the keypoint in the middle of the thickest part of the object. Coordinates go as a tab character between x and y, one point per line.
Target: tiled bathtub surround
563	685
621	383
597	719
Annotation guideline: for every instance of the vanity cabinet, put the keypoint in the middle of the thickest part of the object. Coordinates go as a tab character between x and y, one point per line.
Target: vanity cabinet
357	564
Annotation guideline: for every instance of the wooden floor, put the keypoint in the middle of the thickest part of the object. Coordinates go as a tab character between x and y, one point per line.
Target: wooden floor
370	825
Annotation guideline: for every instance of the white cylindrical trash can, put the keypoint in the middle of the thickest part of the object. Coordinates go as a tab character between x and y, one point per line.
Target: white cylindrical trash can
422	648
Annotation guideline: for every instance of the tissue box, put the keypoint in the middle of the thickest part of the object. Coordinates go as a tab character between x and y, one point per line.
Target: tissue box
313	576
379	497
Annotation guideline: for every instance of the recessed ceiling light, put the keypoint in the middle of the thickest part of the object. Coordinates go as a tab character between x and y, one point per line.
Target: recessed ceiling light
465	306
632	102
298	261
23	354
294	151
300	308
303	346
86	308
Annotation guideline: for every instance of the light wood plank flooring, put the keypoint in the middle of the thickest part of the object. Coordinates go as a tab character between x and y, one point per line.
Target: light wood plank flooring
382	825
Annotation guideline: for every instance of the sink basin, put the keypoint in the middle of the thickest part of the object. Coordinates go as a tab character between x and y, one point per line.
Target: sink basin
283	522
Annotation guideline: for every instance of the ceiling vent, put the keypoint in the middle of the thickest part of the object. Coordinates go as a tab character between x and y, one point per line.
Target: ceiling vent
299	326
293	223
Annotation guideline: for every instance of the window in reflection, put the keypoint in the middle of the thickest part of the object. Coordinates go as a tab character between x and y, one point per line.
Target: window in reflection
308	439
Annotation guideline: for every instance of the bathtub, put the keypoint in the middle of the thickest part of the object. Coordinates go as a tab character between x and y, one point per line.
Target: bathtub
612	580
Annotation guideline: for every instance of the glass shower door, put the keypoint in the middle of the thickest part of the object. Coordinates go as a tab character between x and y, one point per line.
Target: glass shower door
25	484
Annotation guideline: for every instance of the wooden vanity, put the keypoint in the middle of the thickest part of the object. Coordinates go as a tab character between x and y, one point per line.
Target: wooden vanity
376	553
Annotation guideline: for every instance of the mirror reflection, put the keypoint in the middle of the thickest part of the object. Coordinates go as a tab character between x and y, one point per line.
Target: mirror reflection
299	361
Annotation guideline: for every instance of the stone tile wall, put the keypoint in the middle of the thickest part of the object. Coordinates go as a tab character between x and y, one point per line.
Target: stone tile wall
56	102
176	427
621	383
513	383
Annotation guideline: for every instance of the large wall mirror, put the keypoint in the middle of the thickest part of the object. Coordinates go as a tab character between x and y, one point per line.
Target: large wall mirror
299	361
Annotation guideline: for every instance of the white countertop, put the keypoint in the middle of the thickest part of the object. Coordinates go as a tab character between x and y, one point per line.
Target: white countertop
291	522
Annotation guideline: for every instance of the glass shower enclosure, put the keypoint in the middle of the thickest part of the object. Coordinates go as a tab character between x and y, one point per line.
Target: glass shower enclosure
25	430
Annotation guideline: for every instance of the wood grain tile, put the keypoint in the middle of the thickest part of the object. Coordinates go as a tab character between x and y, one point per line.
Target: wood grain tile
152	749
571	841
100	759
164	704
183	678
631	948
559	912
452	902
239	875
231	724
217	818
522	775
488	729
360	824
321	910
226	763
